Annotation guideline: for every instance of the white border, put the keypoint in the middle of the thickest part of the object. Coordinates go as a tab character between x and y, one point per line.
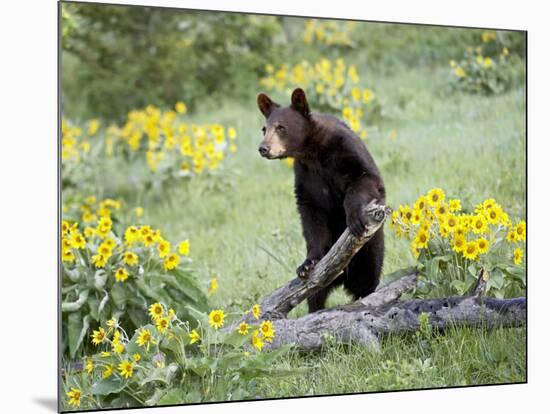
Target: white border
28	207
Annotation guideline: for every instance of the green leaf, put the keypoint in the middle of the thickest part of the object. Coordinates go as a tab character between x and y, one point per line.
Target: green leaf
193	396
120	296
75	326
515	276
443	258
398	274
200	366
496	280
174	346
235	339
515	270
186	285
111	385
197	314
459	286
100	278
93	304
154	399
164	374
137	316
230	361
103	303
172	397
432	267
147	291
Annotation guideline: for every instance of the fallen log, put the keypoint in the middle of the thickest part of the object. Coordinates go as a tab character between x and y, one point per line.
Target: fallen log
365	320
381	312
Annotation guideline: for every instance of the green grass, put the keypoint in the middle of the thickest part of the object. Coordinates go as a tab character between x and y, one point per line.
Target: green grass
460	357
245	230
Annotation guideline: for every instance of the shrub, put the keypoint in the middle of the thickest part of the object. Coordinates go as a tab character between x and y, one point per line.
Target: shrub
169	144
452	246
78	151
109	271
166	361
328	33
485	69
172	146
159	55
332	86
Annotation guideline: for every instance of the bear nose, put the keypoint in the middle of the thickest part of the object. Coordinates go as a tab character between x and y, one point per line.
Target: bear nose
264	150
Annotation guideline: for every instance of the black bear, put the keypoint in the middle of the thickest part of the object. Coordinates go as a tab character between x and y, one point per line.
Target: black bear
335	177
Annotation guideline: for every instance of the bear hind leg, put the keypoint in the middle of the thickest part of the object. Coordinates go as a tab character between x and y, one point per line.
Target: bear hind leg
364	270
317	300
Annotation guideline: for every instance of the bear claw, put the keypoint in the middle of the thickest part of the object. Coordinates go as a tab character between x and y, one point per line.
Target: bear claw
305	268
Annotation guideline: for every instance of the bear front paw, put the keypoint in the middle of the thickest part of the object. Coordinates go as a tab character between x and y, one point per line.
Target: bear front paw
303	270
357	225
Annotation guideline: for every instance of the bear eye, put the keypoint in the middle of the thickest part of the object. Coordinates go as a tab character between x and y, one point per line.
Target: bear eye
263	130
280	128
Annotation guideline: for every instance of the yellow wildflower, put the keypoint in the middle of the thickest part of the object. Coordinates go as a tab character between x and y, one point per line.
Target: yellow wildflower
454	205
256	311
162	324
216	318
126	368
156	310
144	338
422	239
213	286
171	261
194	336
435	196
108	371
74	396
266	327
243	328
521	230
479	224
483	245
471	250
183	248
130	258
257	341
458	243
163	248
181	108
459	72
98	336
121	274
89	365
518	254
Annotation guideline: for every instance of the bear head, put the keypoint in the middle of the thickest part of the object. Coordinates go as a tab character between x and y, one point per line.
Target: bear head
286	128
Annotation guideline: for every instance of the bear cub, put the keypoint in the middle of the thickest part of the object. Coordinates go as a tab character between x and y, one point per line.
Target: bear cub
335	177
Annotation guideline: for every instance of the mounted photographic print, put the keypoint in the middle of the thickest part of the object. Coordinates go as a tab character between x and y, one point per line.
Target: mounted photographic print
260	207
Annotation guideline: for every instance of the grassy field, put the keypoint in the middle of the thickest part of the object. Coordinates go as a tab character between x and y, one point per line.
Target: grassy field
245	230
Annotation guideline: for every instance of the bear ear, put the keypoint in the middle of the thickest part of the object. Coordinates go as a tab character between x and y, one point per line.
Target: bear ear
299	102
266	105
